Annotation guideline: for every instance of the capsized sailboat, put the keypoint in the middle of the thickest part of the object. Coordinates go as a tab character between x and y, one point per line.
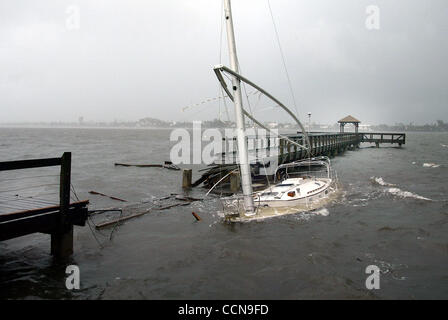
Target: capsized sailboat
301	184
304	190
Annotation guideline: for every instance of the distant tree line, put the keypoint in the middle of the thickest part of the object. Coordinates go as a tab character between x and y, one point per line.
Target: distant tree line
438	126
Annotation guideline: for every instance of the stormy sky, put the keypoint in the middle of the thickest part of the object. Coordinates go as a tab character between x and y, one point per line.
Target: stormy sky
124	60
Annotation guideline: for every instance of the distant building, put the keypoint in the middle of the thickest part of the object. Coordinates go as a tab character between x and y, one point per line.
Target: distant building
365	127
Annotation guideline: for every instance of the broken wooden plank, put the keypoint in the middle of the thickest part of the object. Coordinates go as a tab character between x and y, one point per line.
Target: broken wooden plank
122	219
166	165
105	195
198	218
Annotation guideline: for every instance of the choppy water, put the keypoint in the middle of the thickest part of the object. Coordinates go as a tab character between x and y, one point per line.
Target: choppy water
393	214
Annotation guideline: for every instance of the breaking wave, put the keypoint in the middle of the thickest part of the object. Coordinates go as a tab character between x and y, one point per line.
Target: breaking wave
322	212
431	165
381	182
406	194
397	191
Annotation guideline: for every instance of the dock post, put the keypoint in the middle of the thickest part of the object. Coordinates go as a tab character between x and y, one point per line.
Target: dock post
62	237
282	149
187	175
234	182
295	150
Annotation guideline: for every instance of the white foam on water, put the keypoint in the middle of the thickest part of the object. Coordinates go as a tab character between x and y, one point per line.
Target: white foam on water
381	182
431	165
322	212
406	194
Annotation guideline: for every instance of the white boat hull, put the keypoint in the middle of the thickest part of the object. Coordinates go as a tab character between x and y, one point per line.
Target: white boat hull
294	202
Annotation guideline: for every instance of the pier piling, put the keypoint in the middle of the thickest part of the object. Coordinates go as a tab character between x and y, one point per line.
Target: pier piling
187	175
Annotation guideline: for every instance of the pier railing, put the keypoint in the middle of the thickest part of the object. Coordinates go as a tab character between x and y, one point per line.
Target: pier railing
322	144
377	138
55	220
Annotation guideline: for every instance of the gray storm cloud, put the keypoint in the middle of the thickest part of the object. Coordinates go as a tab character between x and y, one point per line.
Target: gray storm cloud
126	60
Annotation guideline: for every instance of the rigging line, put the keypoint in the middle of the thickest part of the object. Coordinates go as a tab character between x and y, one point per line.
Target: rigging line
245	91
93	233
225	104
267	178
283	59
258	101
221	15
248	103
73	190
116	225
240	71
219	106
221	33
220	182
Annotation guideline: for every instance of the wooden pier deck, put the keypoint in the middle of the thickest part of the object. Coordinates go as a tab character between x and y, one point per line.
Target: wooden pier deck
377	138
55	220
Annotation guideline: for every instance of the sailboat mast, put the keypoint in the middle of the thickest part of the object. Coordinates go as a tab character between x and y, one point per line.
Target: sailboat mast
246	180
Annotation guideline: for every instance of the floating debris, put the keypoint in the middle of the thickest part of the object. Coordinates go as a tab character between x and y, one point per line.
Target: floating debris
185	202
105	195
167	165
198	218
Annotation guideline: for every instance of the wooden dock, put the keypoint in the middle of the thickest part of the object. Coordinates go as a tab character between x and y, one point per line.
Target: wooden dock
56	220
377	138
322	144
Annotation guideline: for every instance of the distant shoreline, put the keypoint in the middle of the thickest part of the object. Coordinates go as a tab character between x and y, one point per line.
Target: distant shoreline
37	126
67	126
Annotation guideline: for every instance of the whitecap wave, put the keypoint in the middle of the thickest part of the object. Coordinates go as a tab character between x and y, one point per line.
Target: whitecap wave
406	194
431	165
322	212
381	182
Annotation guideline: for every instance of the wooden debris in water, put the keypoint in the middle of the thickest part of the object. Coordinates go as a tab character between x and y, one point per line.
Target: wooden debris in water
198	218
105	195
166	165
185	202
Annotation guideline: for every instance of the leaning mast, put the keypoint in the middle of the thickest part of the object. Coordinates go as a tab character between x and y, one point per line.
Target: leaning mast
246	180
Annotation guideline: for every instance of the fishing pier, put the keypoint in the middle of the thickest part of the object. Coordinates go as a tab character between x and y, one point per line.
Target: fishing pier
331	144
321	144
56	220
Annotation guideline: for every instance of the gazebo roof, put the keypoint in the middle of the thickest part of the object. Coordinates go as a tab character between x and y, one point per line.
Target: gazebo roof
349	119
